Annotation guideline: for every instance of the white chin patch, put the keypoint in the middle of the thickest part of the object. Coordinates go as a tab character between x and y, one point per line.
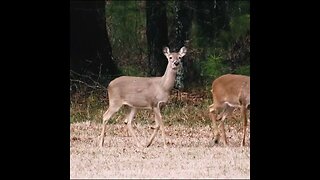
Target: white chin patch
174	67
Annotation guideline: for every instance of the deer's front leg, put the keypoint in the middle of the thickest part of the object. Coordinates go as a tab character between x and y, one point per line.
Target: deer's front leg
213	117
159	117
156	127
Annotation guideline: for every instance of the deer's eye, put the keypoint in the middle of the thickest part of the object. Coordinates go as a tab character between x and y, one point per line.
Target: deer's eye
179	57
170	57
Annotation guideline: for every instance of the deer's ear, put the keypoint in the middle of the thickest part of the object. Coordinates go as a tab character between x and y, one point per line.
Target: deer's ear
166	51
183	51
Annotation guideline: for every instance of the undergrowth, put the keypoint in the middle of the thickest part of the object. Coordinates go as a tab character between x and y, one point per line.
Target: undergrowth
183	108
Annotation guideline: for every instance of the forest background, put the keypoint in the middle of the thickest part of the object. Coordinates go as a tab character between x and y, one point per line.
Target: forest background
113	38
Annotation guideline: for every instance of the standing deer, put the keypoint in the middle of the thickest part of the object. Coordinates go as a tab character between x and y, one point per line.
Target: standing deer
229	91
143	93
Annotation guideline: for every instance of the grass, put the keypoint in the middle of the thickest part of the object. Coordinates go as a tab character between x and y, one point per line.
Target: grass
189	108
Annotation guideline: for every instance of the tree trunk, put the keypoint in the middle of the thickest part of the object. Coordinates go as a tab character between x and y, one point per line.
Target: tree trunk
90	50
157	36
183	19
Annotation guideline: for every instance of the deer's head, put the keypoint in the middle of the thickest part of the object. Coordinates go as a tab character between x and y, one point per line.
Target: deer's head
174	58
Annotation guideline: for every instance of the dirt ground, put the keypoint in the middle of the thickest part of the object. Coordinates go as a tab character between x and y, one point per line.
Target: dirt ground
189	154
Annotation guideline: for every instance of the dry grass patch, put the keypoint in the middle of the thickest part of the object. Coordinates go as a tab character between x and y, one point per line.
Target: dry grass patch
189	155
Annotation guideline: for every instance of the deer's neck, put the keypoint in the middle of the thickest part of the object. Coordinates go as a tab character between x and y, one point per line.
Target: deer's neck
168	79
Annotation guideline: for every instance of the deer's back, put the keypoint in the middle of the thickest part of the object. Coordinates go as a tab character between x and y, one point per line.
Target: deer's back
231	88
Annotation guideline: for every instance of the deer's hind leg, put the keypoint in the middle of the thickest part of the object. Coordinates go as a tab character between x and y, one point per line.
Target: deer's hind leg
218	112
245	120
213	111
129	124
113	108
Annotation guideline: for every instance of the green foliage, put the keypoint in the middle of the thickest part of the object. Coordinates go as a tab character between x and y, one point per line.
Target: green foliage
131	71
126	22
239	26
214	32
245	70
213	66
216	50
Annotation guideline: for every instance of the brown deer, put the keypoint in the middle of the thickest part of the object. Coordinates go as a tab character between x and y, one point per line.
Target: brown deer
229	91
143	93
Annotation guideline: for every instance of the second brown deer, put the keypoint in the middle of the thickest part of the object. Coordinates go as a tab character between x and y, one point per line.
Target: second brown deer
143	93
229	91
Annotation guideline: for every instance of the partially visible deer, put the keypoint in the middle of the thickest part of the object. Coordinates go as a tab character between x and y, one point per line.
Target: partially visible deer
143	93
229	91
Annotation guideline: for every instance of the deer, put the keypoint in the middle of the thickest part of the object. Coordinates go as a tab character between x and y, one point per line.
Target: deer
143	93
229	91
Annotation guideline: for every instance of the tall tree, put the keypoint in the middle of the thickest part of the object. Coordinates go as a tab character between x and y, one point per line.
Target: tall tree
182	31
90	50
211	17
157	36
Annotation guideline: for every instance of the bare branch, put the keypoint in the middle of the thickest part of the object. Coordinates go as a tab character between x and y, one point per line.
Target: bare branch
95	83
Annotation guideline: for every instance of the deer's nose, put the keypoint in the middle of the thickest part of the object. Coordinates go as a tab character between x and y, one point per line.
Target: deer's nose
176	63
